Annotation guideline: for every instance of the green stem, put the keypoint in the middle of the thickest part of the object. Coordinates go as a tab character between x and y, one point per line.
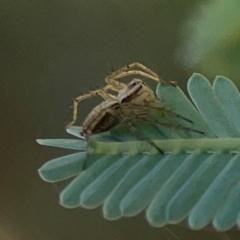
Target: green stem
168	146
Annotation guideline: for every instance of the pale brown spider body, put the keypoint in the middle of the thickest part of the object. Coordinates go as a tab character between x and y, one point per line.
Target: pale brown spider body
102	118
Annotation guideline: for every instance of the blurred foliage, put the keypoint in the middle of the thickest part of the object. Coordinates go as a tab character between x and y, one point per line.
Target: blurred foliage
213	39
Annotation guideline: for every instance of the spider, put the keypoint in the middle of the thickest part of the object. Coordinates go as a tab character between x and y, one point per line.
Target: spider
121	88
134	101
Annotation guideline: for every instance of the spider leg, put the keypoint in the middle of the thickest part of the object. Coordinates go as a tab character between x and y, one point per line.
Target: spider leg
116	84
144	68
140	135
148	70
144	119
101	92
164	110
136	72
87	137
178	116
128	71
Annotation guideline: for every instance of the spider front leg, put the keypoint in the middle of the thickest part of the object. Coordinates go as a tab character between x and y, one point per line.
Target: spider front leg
142	67
144	72
150	72
116	85
101	92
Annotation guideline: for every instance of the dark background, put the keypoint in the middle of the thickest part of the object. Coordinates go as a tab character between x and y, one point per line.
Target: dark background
50	51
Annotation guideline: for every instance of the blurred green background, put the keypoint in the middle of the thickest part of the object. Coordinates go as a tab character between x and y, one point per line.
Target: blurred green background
50	52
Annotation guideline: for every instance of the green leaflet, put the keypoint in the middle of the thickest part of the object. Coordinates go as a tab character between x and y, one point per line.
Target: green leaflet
191	180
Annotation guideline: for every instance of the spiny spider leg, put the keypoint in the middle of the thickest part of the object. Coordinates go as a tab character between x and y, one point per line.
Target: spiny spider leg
178	116
163	109
117	85
136	72
173	114
140	113
148	70
140	135
87	138
144	68
101	92
128	71
168	125
133	65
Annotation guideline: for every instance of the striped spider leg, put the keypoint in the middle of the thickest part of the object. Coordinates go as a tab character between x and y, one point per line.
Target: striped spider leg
139	95
101	92
134	68
143	114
